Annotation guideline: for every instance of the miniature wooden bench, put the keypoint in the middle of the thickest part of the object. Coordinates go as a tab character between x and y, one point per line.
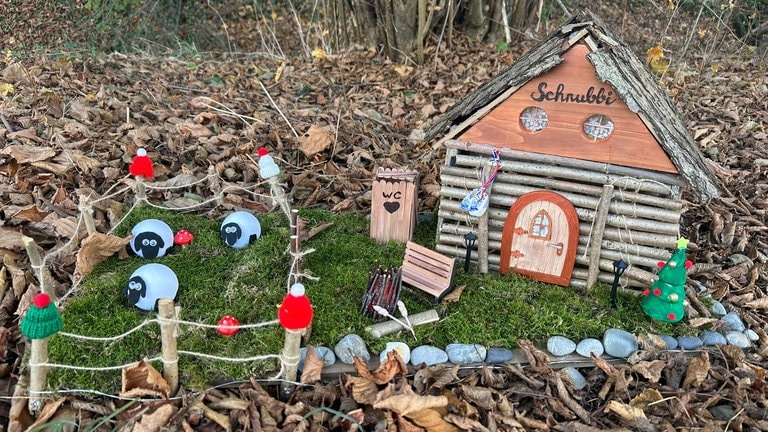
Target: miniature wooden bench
427	270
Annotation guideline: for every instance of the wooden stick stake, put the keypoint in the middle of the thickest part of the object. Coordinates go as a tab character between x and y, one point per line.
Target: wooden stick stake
596	237
167	314
86	210
36	262
141	191
37	373
290	359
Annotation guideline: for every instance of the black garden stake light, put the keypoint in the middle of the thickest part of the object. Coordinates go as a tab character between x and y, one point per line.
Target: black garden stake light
469	241
618	269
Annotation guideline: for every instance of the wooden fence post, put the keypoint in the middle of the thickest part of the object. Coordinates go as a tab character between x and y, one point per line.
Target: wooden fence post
290	359
44	278
167	314
38	356
86	210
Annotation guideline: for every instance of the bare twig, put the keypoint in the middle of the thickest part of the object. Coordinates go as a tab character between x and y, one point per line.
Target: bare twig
274	104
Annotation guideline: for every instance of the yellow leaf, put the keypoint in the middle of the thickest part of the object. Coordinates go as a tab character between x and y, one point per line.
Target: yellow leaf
654	54
279	72
702	32
671	5
715	68
660	66
6	88
318	53
403	70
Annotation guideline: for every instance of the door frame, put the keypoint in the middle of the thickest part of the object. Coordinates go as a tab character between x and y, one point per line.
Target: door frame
508	234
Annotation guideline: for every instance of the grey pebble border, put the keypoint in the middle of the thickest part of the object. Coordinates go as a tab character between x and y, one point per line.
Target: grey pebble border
615	343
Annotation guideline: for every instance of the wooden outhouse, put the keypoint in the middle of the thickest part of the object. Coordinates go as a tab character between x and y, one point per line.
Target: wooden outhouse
586	137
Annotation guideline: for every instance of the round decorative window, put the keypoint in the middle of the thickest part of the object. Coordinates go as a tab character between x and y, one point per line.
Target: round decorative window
534	119
598	127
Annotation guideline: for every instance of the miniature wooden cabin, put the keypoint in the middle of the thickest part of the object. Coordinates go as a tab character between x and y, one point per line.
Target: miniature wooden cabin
581	119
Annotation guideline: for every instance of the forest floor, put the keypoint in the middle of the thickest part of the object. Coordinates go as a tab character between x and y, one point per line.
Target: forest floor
73	119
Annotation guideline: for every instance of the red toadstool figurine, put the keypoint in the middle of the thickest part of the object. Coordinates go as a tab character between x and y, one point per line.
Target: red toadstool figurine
295	312
183	238
228	326
141	165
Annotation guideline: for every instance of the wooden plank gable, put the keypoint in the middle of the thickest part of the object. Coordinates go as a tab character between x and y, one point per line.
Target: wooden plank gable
569	94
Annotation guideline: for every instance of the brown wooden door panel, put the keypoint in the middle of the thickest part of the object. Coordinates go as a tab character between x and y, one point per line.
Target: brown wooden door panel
540	237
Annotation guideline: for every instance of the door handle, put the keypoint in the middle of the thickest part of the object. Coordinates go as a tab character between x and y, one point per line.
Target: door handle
559	246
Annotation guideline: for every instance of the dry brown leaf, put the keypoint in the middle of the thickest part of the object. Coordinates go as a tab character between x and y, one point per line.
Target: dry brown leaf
407	404
27	154
31	214
647	397
697	371
436	376
761	303
30	135
194	130
627	413
454	295
313	367
49	409
11	239
698	322
480	396
220	419
432	420
538	359
314	141
651	370
364	391
392	367
96	248
66	227
141	380
157	419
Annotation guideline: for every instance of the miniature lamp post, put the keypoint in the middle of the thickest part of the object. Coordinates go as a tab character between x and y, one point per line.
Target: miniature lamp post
469	241
41	321
295	315
618	269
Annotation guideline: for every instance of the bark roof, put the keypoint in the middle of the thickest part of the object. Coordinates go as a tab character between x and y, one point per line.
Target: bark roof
615	64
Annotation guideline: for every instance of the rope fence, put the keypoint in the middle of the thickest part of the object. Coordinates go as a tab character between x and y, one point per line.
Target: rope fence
166	319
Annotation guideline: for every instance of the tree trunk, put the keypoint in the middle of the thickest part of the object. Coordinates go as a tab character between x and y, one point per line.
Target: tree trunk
403	27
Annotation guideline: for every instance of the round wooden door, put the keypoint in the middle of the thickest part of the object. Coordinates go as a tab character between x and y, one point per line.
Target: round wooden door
540	238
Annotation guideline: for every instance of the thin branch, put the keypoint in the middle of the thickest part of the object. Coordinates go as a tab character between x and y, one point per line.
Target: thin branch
274	104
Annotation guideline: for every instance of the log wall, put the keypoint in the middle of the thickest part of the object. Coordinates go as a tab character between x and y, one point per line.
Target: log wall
641	224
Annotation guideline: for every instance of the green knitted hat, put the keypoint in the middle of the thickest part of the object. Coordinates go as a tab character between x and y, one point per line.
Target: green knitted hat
42	318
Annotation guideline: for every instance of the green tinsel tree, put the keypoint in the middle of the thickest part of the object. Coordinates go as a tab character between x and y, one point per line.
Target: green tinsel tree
664	300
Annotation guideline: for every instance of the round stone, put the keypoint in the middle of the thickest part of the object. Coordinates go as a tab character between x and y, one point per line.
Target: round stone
402	349
717	309
466	353
670	342
738	339
579	382
499	355
324	353
428	355
560	346
752	335
690	342
712	338
732	321
587	347
349	347
619	343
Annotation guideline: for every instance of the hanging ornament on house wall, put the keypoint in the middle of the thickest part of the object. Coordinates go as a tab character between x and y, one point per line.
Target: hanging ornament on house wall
664	300
477	201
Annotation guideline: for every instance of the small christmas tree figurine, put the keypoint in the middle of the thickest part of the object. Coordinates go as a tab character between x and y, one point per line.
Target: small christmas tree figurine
664	300
42	318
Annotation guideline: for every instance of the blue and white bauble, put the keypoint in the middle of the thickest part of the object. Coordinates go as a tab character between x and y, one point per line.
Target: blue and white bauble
149	283
240	229
152	238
